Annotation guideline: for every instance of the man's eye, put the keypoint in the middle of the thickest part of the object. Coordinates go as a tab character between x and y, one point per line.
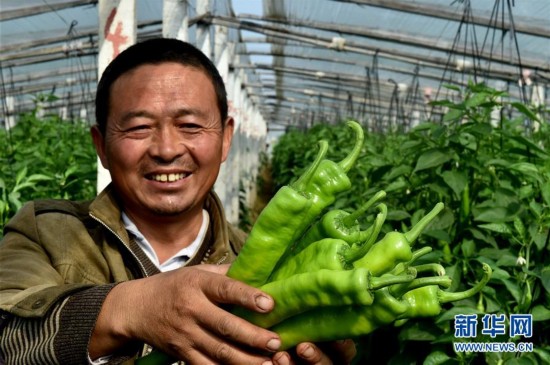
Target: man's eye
138	128
190	126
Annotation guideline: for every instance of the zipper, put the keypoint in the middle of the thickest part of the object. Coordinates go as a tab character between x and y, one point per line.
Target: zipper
123	243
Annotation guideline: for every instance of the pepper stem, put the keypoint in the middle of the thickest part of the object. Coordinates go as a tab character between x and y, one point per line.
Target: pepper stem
350	219
400	267
446	297
419	253
443	281
433	267
347	163
377	282
417	229
360	250
300	184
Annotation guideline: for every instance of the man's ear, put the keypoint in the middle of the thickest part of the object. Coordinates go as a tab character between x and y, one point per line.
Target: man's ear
99	143
228	130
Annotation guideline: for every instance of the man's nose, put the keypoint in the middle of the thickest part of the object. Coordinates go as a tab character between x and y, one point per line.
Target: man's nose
168	144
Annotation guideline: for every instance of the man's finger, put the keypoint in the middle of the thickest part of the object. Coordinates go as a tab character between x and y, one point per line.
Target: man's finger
224	290
334	352
237	330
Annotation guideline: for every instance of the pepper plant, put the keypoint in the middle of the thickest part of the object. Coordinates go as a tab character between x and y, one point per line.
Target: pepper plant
45	157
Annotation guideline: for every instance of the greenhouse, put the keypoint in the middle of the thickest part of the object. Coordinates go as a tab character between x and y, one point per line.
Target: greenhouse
423	123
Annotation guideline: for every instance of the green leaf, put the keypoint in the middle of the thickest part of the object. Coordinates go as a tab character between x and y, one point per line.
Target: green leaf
525	111
545	191
468	248
456	180
39	177
20	175
524	359
397	215
480	129
71	170
497	214
477	99
529	144
538	236
398	184
468	140
417	332
507	259
527	169
450	314
432	158
545	279
452	115
13	197
520	227
499	274
438	234
492	253
512	288
397	172
452	87
436	358
542	354
497	227
540	313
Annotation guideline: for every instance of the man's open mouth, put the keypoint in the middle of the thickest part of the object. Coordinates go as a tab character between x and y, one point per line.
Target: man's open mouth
167	177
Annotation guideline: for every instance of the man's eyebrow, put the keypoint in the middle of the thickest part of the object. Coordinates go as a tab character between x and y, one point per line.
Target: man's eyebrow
136	114
181	112
176	113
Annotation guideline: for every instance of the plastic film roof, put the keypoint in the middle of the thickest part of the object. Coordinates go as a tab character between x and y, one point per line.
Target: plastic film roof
306	60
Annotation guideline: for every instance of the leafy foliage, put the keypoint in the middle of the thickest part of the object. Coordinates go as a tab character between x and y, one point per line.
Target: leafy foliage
494	179
45	158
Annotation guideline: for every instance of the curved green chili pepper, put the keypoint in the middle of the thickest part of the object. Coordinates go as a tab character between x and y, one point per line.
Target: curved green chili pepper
331	177
336	323
322	288
287	212
328	253
426	301
395	247
338	224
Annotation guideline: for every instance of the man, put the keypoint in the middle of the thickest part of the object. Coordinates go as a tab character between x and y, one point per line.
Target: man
94	282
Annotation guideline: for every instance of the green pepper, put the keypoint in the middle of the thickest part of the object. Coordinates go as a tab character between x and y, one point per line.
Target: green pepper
426	301
292	212
331	177
395	247
305	291
338	224
336	323
286	211
328	253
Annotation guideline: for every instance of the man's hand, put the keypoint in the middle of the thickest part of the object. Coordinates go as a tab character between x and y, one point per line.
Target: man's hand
330	353
179	312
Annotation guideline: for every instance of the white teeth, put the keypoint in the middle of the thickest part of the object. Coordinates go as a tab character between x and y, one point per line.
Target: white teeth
168	177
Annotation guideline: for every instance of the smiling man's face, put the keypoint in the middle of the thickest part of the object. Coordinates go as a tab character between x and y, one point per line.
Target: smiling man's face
164	142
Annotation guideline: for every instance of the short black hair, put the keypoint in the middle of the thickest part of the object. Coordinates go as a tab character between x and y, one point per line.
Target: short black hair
156	51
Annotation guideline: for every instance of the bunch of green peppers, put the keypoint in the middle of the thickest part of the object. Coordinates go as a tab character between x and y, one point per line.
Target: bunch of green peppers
330	279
